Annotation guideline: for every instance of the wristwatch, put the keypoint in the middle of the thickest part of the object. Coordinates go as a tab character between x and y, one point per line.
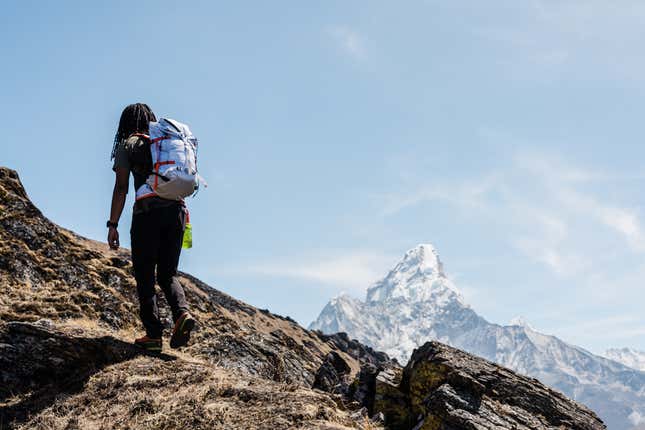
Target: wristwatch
112	224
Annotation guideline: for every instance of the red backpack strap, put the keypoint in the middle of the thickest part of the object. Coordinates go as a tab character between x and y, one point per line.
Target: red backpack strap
140	135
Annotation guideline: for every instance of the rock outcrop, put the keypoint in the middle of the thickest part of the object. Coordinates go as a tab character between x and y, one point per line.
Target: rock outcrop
68	315
451	389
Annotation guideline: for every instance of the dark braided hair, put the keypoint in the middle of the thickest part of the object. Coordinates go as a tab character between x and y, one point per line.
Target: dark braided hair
134	119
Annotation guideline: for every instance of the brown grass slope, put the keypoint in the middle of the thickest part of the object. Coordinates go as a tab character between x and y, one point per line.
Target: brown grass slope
88	379
81	288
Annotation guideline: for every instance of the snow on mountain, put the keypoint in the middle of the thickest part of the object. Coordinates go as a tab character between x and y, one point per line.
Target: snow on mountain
521	321
416	302
627	356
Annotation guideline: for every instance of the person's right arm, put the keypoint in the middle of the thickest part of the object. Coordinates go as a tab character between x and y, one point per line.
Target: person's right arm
119	194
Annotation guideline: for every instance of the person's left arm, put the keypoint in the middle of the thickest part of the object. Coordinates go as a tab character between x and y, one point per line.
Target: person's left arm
119	194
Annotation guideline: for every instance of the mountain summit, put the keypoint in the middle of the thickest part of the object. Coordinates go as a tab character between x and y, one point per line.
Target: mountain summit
413	302
418	277
416	302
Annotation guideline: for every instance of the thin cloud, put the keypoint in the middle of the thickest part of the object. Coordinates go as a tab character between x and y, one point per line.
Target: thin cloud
550	39
546	204
349	40
620	326
354	271
625	222
636	419
468	195
545	240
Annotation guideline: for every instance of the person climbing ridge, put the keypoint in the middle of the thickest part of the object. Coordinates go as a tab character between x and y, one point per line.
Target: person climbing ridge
161	155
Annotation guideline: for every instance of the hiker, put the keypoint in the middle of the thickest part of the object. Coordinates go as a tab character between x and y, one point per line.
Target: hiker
157	228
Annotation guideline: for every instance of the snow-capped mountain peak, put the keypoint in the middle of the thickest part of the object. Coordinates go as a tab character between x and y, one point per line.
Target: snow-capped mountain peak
521	322
416	302
418	277
341	300
423	258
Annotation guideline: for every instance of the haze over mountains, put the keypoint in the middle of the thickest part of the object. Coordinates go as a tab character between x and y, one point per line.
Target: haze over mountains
416	302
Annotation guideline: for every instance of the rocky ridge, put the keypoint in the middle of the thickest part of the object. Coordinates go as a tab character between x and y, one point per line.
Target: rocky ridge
68	314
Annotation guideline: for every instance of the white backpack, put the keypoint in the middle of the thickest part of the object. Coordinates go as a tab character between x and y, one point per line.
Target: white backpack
174	162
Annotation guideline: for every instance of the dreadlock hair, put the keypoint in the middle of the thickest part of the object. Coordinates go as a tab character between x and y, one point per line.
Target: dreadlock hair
134	119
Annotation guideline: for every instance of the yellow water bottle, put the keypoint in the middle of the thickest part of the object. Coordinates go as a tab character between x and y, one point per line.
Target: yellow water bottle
187	242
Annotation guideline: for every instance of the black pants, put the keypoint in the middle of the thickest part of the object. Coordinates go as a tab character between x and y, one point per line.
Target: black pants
156	236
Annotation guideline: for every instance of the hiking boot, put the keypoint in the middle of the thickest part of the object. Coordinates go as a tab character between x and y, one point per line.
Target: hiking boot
181	332
149	344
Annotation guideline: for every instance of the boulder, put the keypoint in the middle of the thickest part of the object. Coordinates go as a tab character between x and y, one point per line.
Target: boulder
449	389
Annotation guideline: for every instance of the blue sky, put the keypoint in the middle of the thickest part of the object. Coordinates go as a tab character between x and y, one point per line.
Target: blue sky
336	135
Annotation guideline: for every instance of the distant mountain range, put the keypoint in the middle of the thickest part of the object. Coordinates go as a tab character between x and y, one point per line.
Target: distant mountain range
629	357
416	302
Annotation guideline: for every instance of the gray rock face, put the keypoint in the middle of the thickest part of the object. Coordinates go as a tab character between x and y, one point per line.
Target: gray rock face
449	389
333	375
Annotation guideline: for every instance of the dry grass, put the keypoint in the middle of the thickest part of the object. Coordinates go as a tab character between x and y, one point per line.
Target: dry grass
88	291
148	393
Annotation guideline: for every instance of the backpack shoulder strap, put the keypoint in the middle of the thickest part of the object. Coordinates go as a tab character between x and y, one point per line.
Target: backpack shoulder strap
145	136
172	124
